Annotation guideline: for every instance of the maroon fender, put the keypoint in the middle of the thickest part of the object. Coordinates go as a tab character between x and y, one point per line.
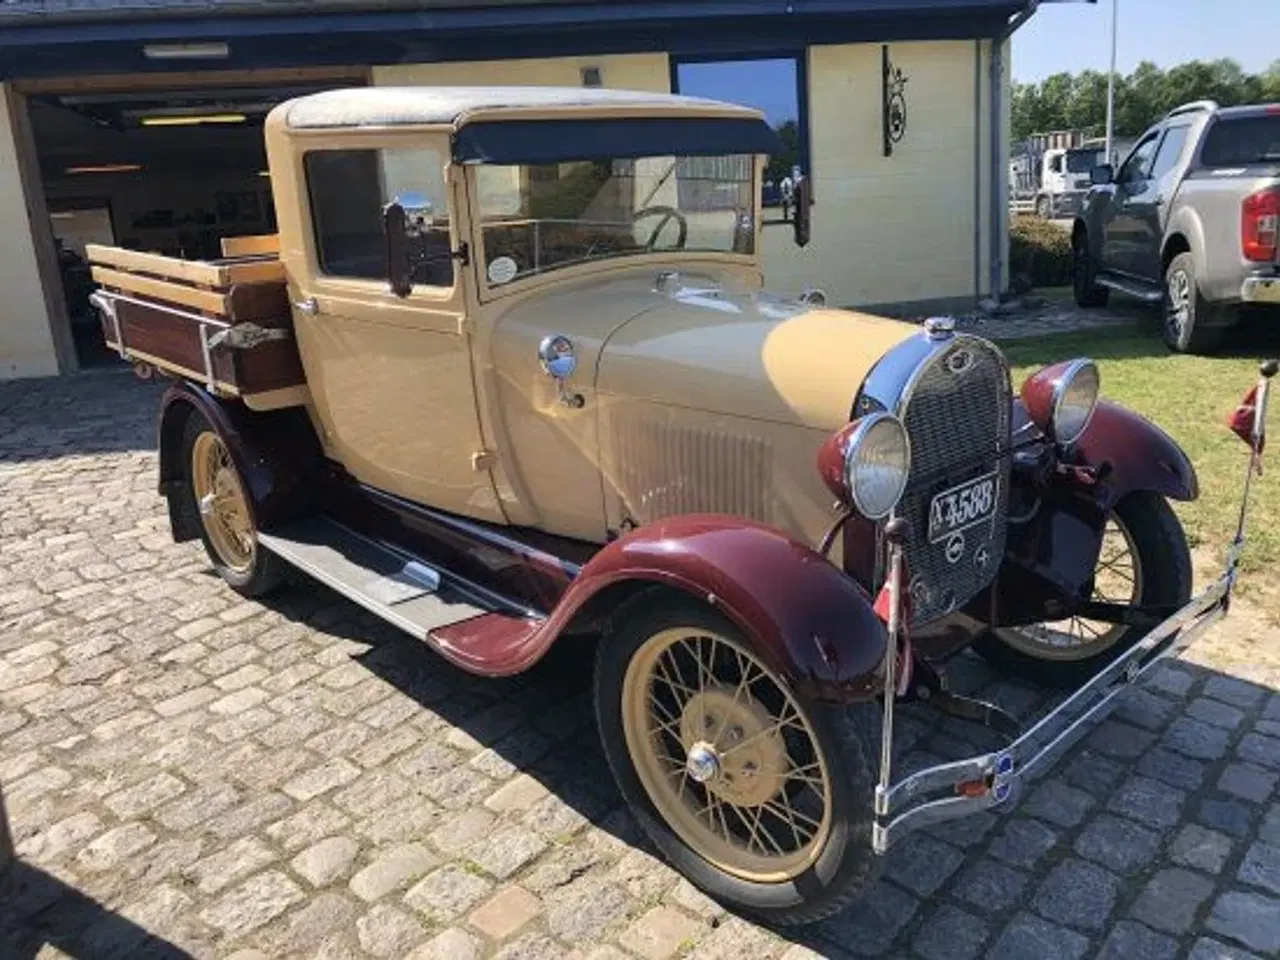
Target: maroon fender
1142	456
805	618
275	454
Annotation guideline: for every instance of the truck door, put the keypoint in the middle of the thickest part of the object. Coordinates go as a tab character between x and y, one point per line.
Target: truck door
1122	228
390	377
1149	206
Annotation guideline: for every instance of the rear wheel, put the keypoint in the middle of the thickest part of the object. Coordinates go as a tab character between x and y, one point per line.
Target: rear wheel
762	801
1084	276
1187	315
226	517
1144	560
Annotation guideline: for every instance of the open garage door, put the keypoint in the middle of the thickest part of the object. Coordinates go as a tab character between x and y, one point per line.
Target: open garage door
170	171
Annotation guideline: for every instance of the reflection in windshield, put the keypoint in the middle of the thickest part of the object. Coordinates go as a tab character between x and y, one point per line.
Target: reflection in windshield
1083	161
536	218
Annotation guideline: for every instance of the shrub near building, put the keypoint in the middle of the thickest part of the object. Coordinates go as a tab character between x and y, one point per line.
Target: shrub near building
1039	252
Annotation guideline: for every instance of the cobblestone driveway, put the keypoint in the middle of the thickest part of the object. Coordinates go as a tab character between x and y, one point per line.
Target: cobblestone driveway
187	773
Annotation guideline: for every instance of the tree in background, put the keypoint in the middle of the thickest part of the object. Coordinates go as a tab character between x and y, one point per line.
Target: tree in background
1067	101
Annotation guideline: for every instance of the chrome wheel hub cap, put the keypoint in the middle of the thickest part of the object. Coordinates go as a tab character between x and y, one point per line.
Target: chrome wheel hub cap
702	763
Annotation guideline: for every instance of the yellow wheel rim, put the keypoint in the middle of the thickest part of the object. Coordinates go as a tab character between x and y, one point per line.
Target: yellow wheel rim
726	755
220	497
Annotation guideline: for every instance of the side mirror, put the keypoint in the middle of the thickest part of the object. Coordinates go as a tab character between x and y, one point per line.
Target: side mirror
399	259
405	220
803	213
1101	174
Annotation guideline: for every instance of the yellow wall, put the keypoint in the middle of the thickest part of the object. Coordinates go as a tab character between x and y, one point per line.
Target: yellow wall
888	229
26	340
641	71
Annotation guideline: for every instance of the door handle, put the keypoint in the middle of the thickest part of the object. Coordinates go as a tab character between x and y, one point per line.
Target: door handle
307	305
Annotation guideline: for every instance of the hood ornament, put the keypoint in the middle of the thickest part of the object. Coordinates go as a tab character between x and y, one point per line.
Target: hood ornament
940	328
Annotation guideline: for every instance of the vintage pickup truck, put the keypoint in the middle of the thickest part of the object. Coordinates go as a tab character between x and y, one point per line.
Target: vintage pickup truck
507	374
1191	221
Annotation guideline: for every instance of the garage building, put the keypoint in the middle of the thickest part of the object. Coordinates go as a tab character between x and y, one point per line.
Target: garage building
138	123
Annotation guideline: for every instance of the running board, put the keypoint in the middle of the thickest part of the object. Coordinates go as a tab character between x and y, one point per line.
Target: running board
1132	288
403	591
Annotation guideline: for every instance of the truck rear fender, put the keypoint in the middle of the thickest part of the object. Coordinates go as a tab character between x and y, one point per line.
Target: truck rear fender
1184	233
805	618
276	455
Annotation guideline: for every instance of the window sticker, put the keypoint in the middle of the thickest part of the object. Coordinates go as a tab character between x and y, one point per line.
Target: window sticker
502	270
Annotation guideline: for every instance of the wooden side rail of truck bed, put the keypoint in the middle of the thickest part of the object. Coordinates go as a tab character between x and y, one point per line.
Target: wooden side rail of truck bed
223	323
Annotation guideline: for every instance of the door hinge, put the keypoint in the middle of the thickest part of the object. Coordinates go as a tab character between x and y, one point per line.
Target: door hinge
463	254
483	460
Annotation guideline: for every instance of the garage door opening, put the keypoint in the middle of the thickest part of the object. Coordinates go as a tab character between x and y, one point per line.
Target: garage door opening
162	171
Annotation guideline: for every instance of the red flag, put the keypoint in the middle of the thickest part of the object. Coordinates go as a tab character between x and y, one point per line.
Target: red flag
1241	421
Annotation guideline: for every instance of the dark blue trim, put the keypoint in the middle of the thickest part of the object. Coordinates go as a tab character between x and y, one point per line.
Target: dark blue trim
391	38
559	141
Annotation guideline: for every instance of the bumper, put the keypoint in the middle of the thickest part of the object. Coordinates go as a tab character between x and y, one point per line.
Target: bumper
1260	290
963	787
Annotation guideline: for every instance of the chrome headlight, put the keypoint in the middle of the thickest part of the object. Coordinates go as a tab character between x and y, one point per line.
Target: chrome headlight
1075	396
1060	399
877	459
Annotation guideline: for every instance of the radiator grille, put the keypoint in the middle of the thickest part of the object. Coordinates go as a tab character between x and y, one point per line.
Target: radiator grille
957	416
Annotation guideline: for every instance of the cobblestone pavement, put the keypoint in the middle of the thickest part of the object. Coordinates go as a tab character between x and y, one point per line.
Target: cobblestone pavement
190	774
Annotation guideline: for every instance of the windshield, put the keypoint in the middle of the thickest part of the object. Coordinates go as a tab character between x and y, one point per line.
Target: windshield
1240	142
536	218
1083	161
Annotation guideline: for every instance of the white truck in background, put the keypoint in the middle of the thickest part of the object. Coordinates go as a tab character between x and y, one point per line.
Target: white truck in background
1049	173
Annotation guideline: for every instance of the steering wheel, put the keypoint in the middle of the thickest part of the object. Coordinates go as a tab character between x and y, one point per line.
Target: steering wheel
667	214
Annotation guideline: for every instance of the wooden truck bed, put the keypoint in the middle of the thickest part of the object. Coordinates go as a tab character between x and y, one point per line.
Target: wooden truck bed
224	323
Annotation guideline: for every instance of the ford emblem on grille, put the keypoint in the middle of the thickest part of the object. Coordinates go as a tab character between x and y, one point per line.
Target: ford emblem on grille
959	361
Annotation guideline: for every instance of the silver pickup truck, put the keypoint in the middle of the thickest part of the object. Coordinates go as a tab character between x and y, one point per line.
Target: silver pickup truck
1190	221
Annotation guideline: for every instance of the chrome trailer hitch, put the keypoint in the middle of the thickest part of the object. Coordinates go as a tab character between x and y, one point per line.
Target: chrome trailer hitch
963	787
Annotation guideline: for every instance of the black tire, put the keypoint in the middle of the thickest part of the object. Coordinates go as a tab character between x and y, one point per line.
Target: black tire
1084	275
266	571
1198	330
848	738
1165	559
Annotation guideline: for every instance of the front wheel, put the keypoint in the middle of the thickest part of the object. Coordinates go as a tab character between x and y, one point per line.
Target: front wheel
1084	276
761	800
1144	560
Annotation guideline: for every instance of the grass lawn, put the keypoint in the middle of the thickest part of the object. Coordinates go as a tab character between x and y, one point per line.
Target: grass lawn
1190	398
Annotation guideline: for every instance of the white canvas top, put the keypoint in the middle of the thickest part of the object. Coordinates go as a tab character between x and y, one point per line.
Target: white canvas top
396	106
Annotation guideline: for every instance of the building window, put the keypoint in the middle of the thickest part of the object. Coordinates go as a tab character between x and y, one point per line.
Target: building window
777	86
348	190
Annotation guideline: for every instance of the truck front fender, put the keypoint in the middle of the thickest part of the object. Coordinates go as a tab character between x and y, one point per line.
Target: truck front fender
1141	455
275	453
805	618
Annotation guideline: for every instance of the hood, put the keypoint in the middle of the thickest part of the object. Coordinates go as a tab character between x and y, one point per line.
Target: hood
747	354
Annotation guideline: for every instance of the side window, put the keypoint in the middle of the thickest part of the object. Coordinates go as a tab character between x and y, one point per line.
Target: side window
1055	164
348	190
1170	151
1137	167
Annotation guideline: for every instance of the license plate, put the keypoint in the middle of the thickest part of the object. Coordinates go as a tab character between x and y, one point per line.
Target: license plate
967	505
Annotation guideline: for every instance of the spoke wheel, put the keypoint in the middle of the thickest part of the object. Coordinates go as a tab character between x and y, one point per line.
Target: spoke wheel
220	498
726	755
1144	560
1117	579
